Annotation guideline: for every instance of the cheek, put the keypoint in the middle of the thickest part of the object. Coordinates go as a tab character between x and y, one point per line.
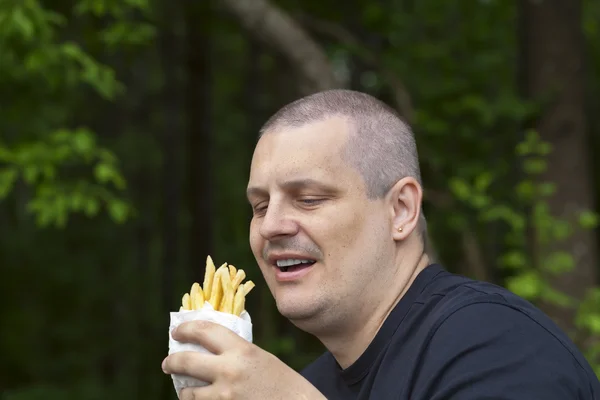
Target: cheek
255	239
358	235
346	230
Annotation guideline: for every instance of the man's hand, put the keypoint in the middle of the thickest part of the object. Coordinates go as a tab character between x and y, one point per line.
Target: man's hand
236	369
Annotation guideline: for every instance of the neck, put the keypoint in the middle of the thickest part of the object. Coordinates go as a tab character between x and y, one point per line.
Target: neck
347	346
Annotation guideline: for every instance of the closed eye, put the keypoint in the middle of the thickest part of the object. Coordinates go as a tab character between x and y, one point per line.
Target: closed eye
260	208
311	202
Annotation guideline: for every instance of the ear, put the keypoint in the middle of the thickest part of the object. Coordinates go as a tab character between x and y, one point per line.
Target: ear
406	197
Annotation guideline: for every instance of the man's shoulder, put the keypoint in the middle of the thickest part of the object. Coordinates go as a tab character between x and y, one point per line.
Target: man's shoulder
472	331
464	304
449	293
472	311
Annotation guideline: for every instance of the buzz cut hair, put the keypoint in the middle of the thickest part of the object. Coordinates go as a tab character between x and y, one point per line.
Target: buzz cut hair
381	145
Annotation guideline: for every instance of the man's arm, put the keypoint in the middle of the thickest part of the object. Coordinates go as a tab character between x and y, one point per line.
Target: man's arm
492	351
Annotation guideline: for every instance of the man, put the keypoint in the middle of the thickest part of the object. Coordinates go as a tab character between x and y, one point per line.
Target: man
338	234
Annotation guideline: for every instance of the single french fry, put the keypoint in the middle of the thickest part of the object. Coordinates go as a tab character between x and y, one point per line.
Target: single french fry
239	301
228	302
198	299
222	304
209	276
232	272
217	289
193	294
248	286
237	280
228	293
185	302
223	267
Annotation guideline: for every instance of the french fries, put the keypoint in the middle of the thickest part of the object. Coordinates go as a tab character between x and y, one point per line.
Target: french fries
222	288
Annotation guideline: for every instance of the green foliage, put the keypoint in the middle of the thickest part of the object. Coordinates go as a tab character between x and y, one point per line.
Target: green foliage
46	74
588	319
83	138
40	163
528	278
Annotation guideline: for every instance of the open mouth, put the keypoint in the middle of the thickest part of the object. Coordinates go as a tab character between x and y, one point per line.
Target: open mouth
293	265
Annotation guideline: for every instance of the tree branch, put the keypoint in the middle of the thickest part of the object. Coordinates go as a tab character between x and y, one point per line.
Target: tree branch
401	95
272	25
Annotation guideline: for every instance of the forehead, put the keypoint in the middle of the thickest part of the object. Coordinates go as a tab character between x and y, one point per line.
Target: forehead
311	151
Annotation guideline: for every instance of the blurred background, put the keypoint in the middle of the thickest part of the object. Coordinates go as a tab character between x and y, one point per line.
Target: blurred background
127	129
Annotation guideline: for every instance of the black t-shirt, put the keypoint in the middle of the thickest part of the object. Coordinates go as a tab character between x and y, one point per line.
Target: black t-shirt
453	338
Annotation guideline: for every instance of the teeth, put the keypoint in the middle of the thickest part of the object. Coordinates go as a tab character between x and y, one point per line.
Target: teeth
290	262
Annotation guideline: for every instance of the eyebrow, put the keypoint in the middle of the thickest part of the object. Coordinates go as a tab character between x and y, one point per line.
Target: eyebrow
294	184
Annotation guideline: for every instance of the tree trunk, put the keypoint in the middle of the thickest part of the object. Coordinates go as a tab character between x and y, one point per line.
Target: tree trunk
198	114
171	141
171	138
553	70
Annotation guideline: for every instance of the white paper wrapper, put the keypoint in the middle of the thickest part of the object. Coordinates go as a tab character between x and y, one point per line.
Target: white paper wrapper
241	325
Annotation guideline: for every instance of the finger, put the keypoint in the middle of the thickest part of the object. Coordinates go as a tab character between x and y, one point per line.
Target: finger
210	392
192	363
213	337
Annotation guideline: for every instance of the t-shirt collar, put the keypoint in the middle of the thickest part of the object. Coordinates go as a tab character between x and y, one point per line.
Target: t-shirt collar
360	367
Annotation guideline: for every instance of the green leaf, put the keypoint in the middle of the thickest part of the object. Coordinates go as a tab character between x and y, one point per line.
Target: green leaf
24	24
514	259
480	201
588	220
556	297
104	172
546	189
526	190
506	214
544	148
118	211
30	173
78	200
534	166
528	146
561	230
49	171
83	142
559	262
483	181
592	322
8	177
460	188
92	206
527	285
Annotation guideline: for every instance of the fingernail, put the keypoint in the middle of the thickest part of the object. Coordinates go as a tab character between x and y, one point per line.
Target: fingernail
163	365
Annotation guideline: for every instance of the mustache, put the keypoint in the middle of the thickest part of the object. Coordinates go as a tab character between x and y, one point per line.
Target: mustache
292	245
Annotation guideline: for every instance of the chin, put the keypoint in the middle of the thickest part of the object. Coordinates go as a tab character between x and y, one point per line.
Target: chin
297	310
309	320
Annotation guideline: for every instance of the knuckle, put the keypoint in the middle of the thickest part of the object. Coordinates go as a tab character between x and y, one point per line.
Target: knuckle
197	329
226	393
231	374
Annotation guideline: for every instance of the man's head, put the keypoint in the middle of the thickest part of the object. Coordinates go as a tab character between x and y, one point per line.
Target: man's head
334	180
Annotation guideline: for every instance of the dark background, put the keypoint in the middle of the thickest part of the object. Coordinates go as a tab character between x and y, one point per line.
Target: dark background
127	129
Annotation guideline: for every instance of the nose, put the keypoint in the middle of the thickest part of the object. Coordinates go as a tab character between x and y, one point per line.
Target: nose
277	223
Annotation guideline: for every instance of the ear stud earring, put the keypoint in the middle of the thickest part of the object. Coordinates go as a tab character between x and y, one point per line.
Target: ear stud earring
400	229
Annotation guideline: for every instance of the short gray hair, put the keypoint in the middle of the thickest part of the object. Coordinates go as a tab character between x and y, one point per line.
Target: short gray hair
381	145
